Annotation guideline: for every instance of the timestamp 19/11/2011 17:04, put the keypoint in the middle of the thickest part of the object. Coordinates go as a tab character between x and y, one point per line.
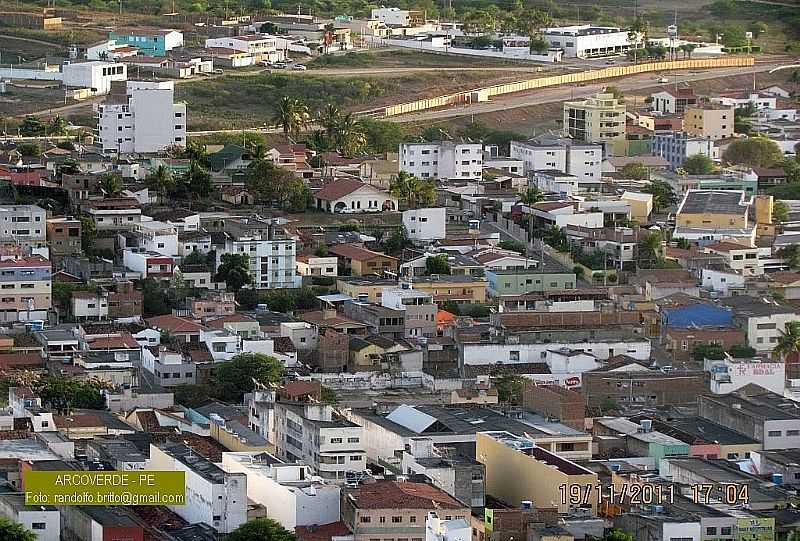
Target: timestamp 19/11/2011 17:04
652	494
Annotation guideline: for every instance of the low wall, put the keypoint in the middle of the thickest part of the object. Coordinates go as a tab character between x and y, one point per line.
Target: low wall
556	80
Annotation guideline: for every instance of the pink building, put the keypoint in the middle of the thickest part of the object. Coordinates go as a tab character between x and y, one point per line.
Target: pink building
23	175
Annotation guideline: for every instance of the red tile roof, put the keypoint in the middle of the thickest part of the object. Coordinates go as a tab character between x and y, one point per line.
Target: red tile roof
20	360
32	261
175	324
321	533
338	189
283	344
726	246
784	277
122	340
552	205
356	253
219	322
404	495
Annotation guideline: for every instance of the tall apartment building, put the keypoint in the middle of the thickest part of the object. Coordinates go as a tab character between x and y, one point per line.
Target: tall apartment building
676	147
114	213
709	121
418	308
141	117
315	435
581	160
25	289
443	159
272	253
596	119
24	225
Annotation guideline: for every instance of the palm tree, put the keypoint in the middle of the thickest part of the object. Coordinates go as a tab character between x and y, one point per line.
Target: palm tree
111	184
292	116
637	33
57	126
351	139
329	119
789	342
161	180
650	250
412	190
532	196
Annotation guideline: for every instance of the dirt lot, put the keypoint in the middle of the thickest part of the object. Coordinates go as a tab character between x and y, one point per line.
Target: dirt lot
11	49
21	100
400	58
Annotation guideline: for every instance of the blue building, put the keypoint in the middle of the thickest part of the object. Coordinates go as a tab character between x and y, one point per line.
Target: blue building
149	41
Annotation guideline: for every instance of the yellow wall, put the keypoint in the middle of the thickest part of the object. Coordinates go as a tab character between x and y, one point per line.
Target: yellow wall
514	477
361	358
555	80
478	289
355	290
232	442
712	221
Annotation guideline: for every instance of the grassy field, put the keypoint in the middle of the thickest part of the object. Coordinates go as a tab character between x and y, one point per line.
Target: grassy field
400	58
20	101
235	102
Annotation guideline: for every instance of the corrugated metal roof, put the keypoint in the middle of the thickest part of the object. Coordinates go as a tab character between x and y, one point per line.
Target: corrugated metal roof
411	418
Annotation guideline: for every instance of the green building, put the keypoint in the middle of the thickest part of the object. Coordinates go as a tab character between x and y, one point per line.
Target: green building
519	282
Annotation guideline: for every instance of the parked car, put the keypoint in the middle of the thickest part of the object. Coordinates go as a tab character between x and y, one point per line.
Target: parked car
279	65
299	67
265	63
218	71
611	61
663	80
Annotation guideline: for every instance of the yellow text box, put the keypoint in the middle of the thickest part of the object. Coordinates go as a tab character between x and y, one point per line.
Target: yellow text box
140	487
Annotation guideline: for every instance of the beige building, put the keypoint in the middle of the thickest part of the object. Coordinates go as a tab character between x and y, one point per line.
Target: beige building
460	289
597	119
518	470
396	510
709	121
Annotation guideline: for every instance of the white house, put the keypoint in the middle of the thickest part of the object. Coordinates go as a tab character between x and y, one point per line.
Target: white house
144	120
723	282
87	305
446	530
292	495
351	196
581	160
222	344
260	47
426	224
739	100
213	496
443	160
570	361
317	266
159	237
395	16
483	353
586	40
43	520
108	50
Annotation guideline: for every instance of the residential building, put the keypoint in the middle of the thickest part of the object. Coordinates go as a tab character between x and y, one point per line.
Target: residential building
396	509
26	289
764	321
597	119
639	439
213	496
156	236
724	282
398	17
443	160
580	160
712	214
636	384
381	320
100	522
741	258
515	282
308	265
681	342
446	530
709	122
783	465
315	435
86	305
44	521
169	368
517	470
419	310
460	476
351	196
586	40
671	102
763	417
124	300
740	100
554	401
114	213
363	262
660	525
24	225
262	48
149	264
149	41
64	236
426	224
289	492
141	117
707	439
730	374
271	252
676	147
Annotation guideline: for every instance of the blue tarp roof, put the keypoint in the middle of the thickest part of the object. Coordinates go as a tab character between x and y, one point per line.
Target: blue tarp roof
698	315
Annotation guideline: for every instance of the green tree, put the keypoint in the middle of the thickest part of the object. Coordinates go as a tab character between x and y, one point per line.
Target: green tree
637	34
261	529
11	531
437	265
413	191
780	212
698	164
198	180
234	270
789	341
682	243
31	127
351	138
329	119
753	152
111	184
539	45
382	136
397	241
57	126
664	196
649	251
292	117
532	196
734	36
161	180
192	396
741	351
512	245
88	233
329	395
510	387
62	393
790	254
30	150
236	377
635	171
708	351
616	92
618	535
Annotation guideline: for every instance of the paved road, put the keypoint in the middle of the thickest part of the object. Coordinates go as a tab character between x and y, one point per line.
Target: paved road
52	111
562	93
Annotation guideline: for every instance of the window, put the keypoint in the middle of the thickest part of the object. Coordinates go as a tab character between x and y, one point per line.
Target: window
412	518
793	432
513	355
382	520
353	440
365	520
397	520
217	517
336	440
774	433
355	458
38	525
725	530
711	531
27	286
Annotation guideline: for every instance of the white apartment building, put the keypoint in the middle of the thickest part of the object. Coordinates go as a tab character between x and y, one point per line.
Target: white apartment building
446	530
315	435
25	225
292	495
213	496
262	47
317	266
44	521
426	224
145	119
580	160
86	305
482	353
676	147
443	160
169	367
159	237
723	282
223	345
95	75
397	17
272	260
25	289
585	40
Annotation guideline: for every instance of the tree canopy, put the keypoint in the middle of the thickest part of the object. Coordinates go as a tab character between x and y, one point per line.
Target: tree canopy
234	270
437	265
11	531
262	529
236	377
753	152
698	164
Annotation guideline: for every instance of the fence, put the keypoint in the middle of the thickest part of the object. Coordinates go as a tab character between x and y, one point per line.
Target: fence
555	80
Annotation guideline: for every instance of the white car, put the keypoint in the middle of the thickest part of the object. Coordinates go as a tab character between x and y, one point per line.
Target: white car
299	67
663	80
279	65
